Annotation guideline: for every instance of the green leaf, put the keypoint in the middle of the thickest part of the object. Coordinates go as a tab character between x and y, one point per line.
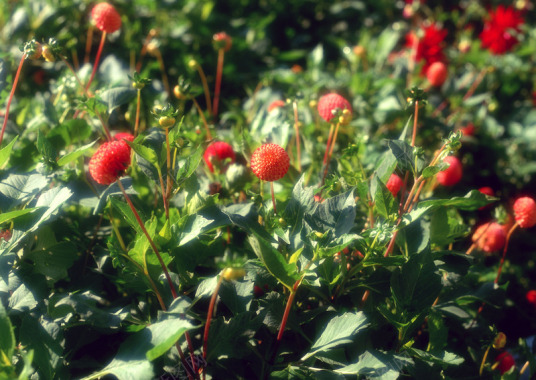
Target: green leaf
5	152
55	260
188	166
274	261
437	330
126	211
431	171
7	343
46	149
384	202
69	157
340	330
70	132
403	153
378	365
145	152
473	200
8	216
20	188
416	285
386	166
118	96
441	358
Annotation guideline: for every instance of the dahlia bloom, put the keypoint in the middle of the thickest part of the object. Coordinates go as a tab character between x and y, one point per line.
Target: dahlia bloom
428	48
499	30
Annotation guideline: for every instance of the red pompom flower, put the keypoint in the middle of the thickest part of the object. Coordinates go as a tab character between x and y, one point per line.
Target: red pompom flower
451	175
505	361
499	30
106	17
270	162
394	184
218	152
489	237
329	102
525	212
109	162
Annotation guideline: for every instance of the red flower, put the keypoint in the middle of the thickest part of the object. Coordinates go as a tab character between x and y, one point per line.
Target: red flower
270	162
276	104
525	212
506	361
531	297
429	48
499	30
329	102
451	175
223	41
109	162
489	237
106	17
394	184
218	152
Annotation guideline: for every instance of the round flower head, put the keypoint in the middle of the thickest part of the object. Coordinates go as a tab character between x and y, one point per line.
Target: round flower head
124	136
437	74
218	152
394	184
106	17
451	175
329	102
489	237
270	162
109	162
276	104
531	297
525	212
223	40
506	361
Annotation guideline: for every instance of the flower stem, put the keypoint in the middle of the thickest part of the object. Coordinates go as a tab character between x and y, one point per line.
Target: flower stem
205	88
415	123
200	111
297	132
514	227
151	242
97	59
168	176
138	105
6	115
89	40
273	196
217	88
163	71
209	315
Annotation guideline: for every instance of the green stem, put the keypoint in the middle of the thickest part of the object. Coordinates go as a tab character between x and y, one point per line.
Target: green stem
151	242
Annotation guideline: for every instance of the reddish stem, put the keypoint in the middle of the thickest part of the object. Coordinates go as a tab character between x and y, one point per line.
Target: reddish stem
89	40
297	132
415	123
205	88
6	115
97	59
504	252
273	196
209	315
219	74
153	246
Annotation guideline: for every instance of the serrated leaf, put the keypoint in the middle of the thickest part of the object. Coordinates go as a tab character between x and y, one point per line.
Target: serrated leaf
69	157
5	152
46	149
442	358
431	171
188	166
117	96
274	261
384	202
126	211
145	152
8	216
20	188
338	331
403	153
7	343
378	365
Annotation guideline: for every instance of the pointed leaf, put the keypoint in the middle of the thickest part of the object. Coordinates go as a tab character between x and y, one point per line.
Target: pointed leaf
5	152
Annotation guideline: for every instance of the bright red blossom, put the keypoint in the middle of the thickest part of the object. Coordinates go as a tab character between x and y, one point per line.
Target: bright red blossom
109	162
106	17
489	237
531	297
270	162
499	30
525	212
506	361
218	152
329	102
451	175
276	104
394	184
437	74
429	47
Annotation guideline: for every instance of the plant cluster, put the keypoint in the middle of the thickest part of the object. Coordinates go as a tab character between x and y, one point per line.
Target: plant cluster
139	236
